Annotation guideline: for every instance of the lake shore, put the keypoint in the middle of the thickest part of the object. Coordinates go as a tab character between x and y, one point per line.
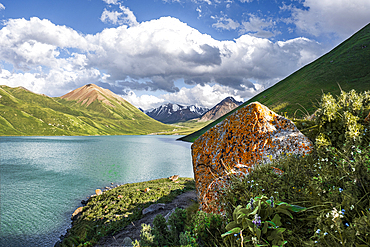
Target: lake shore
117	212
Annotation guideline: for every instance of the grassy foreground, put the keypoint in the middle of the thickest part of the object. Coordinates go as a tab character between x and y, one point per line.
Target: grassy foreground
116	208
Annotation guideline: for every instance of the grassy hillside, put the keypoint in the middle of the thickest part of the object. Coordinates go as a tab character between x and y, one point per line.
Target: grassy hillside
347	66
25	113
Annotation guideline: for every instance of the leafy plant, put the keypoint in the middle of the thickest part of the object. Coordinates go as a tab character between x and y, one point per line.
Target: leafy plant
259	222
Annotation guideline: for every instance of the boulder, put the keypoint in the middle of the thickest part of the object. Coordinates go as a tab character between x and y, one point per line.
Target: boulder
98	192
248	137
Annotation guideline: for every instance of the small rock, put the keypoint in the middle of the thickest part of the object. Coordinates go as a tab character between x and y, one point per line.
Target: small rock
76	213
174	178
127	241
153	207
169	214
111	183
98	192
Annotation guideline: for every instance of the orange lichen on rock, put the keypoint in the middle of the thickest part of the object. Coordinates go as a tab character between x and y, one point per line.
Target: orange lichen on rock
252	135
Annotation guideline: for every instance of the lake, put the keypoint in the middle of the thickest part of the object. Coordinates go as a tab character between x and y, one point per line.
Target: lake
44	179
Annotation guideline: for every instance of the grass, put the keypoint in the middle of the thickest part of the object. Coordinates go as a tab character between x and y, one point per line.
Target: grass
116	208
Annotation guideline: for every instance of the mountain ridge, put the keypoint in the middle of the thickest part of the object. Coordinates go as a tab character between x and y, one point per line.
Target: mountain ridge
225	106
173	113
23	112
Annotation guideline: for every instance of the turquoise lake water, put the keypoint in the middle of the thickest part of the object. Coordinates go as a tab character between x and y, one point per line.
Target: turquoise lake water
44	179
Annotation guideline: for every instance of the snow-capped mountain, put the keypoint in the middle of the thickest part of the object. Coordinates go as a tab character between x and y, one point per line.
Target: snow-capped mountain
172	113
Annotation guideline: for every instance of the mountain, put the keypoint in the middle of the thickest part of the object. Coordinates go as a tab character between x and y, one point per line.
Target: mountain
220	109
173	113
346	67
89	110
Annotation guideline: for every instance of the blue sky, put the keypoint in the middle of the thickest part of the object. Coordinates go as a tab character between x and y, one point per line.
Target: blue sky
156	51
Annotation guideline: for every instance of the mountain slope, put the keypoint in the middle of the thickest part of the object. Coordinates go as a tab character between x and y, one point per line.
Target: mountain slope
89	110
220	109
173	113
346	65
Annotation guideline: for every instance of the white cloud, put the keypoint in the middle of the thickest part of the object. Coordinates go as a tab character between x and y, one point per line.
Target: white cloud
129	17
151	55
120	18
341	17
258	27
111	1
110	16
145	101
225	23
2	6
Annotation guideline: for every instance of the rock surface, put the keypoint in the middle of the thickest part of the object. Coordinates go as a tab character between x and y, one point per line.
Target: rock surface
153	207
98	192
250	136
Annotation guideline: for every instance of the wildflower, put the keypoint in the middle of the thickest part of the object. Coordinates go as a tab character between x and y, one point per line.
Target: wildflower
343	211
272	201
251	202
325	233
318	231
335	214
340	190
254	240
347	224
257	220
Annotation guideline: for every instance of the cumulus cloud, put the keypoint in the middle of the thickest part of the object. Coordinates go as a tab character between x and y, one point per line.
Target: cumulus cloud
150	55
2	6
339	17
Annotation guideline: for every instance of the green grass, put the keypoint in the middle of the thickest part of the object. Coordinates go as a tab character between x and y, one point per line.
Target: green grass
106	214
346	65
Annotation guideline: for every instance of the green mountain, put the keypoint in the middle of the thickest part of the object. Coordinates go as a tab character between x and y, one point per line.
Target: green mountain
347	66
89	110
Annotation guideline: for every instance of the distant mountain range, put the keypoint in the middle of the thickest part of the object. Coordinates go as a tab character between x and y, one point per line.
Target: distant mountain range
345	67
173	113
89	110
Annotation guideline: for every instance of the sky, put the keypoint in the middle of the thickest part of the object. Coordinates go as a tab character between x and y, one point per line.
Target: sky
151	52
